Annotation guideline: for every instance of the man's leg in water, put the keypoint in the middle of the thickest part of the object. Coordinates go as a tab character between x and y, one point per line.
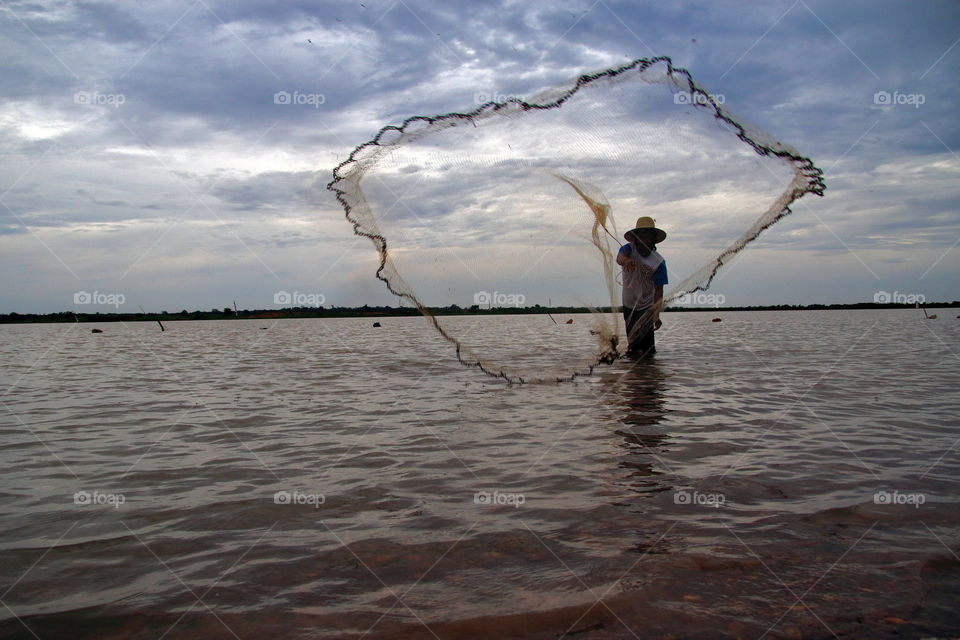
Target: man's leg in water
639	333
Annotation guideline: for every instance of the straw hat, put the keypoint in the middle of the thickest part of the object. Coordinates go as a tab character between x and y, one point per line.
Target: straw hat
646	222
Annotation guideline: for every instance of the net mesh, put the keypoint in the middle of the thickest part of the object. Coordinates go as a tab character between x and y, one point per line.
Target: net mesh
507	208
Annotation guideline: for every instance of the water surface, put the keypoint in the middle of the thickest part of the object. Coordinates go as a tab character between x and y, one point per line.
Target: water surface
778	474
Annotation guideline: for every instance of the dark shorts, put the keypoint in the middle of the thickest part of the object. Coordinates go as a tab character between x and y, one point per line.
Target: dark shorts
639	332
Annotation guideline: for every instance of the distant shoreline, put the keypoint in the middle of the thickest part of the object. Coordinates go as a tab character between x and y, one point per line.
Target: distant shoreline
368	311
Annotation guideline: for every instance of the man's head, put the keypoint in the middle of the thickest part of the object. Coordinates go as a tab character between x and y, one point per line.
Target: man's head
646	233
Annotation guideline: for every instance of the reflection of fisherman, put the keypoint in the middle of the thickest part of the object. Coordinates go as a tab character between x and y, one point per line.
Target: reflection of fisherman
641	390
644	274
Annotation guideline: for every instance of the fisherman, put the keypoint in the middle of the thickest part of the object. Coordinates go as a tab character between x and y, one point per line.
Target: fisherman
644	274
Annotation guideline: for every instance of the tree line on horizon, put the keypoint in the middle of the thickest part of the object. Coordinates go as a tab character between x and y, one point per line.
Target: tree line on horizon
367	310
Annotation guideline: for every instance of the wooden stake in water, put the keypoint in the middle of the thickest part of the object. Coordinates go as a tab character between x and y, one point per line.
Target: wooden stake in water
158	319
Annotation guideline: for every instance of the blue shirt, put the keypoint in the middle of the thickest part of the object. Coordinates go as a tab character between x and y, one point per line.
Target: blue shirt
659	276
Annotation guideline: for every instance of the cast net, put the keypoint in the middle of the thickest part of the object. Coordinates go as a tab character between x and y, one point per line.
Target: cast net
518	207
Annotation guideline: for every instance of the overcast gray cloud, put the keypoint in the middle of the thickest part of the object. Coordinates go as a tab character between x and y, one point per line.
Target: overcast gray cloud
146	151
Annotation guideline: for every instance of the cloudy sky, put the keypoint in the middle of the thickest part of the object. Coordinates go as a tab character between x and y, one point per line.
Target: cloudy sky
148	160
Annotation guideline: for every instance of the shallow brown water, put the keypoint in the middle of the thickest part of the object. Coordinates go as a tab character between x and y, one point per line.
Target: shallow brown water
779	474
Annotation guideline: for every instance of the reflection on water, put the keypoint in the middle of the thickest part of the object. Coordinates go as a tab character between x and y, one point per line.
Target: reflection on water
388	442
640	391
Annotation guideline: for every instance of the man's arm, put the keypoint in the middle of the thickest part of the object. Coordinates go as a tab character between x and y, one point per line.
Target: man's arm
657	299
